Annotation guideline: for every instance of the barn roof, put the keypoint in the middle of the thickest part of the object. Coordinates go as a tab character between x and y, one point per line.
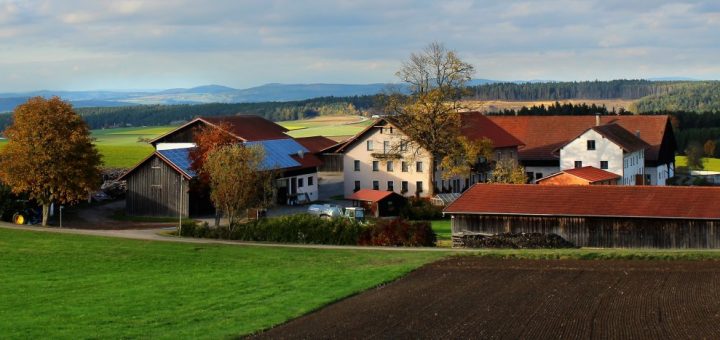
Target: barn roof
588	173
242	127
541	135
316	143
589	200
369	195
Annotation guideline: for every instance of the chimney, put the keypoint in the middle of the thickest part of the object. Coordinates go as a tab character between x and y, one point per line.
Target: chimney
637	133
597	120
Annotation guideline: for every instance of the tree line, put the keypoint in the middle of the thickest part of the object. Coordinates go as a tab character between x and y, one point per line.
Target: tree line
614	89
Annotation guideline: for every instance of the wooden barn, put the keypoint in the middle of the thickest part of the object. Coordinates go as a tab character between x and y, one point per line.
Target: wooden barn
378	203
162	184
605	216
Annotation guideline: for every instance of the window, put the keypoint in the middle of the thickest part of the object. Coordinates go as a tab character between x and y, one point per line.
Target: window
300	182
404	166
156	173
357	165
390	166
591	145
391	130
376	166
369	145
376	185
418	186
404	186
357	186
538	175
578	164
603	164
310	180
418	166
390	186
403	146
386	146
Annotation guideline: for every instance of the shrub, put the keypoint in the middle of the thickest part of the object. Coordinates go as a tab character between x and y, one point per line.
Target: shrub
421	209
399	232
300	228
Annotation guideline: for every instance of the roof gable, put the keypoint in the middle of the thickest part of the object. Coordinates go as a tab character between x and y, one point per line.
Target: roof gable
242	127
623	138
370	195
589	200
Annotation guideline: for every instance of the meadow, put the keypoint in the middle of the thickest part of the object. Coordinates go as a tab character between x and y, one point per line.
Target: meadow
72	286
710	164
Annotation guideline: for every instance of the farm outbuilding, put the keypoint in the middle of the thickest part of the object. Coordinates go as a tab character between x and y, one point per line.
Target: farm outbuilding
379	203
604	216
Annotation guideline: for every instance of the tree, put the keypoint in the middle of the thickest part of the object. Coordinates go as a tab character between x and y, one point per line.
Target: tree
508	171
709	148
238	180
430	115
694	153
208	138
471	156
50	154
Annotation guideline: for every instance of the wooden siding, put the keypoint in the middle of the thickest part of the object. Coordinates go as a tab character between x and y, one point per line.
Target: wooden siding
154	189
601	232
331	162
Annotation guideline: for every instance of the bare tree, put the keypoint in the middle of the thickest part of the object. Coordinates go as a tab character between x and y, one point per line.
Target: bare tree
430	115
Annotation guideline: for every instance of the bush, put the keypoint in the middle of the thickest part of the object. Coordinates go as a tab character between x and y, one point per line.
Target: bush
516	241
421	209
300	228
399	232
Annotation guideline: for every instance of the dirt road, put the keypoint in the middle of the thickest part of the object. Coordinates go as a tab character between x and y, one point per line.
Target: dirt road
470	297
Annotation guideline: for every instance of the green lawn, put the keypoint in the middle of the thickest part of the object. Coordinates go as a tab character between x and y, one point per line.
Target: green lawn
711	164
71	286
442	229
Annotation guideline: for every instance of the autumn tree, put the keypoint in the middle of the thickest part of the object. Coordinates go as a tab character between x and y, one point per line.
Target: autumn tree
709	148
469	156
208	138
694	153
237	179
508	171
430	114
50	154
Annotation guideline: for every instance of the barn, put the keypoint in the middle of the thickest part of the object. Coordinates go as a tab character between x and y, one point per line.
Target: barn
605	216
378	203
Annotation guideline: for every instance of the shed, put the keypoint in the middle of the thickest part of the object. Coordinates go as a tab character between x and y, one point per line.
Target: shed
606	216
379	203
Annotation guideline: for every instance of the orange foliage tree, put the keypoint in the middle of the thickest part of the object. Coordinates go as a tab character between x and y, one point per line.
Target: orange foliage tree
50	154
208	138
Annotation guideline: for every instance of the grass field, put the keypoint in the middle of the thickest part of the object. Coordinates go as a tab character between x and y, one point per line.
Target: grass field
711	164
120	147
442	229
326	126
71	286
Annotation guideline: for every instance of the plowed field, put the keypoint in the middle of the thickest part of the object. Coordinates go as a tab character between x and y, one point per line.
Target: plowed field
512	299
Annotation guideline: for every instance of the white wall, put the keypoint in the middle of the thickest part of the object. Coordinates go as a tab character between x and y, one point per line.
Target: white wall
605	150
366	176
544	170
171	146
634	164
311	190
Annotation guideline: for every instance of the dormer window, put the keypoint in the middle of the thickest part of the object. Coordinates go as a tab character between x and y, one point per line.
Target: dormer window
591	145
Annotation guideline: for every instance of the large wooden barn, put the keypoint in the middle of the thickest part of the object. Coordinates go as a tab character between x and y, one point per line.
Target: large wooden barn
595	216
162	184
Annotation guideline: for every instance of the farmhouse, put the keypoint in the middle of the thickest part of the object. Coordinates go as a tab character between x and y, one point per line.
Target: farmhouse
542	136
605	216
162	184
379	158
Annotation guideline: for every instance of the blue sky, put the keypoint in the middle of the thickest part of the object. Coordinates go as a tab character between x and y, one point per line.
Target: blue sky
79	45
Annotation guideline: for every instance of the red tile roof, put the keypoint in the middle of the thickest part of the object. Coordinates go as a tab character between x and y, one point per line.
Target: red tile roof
544	134
250	128
591	174
476	126
369	195
316	143
623	138
590	200
308	160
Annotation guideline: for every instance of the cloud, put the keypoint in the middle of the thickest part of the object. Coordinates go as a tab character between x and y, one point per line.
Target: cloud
244	43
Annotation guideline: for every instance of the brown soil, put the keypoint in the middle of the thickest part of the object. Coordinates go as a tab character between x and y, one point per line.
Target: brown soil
471	297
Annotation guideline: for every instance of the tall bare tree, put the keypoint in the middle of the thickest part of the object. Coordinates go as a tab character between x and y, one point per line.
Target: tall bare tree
430	115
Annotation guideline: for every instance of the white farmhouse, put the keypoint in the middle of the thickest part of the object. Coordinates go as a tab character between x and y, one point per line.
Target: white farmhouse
608	147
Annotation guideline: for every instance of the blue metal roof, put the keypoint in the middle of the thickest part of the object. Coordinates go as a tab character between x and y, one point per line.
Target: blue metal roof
278	152
179	157
277	155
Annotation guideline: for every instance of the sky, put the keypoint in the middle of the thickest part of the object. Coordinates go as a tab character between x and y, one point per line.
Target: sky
135	44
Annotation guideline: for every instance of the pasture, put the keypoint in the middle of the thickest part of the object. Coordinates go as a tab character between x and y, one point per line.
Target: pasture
73	286
331	126
711	164
123	147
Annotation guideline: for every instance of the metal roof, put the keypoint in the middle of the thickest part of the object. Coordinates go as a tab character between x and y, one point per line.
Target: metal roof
180	158
278	153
